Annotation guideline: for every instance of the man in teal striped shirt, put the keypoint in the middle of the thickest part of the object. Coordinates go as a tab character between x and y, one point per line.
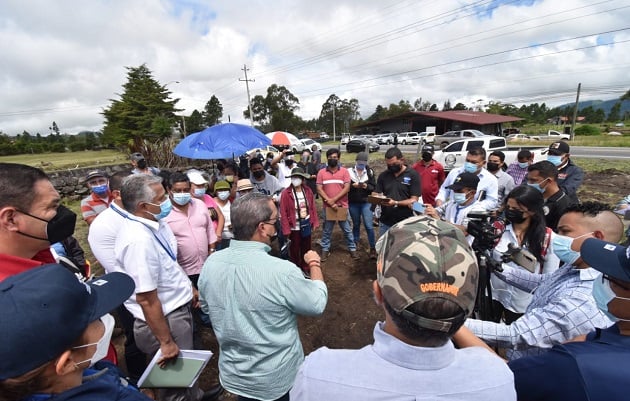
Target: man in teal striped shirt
253	300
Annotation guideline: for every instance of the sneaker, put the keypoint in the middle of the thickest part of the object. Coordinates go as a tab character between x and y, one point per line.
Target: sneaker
354	255
325	255
373	254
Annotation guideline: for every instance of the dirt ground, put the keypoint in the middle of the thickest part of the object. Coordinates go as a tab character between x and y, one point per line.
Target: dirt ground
350	315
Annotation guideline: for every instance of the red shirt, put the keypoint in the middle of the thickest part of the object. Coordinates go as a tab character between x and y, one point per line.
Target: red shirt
11	265
431	177
333	183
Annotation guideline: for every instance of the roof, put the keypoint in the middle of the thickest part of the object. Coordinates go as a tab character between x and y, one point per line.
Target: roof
466	116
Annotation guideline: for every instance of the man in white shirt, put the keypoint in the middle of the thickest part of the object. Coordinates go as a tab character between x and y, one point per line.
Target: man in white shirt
488	188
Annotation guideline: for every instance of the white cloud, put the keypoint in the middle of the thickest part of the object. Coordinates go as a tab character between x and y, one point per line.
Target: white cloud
62	61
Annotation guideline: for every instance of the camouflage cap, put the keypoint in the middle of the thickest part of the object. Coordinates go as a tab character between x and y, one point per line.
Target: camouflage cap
421	258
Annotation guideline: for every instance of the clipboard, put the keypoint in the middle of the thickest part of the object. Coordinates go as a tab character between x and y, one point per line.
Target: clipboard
181	373
341	214
378	199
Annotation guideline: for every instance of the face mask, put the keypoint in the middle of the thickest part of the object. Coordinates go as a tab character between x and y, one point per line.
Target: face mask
102	345
142	164
199	192
514	216
562	248
332	163
556	160
537	186
289	163
165	209
229	178
59	227
492	167
394	168
296	182
181	198
459	198
304	159
223	195
270	159
426	156
259	174
100	189
603	294
523	165
360	166
470	167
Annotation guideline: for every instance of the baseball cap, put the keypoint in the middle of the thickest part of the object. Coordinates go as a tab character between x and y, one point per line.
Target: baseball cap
607	257
464	180
298	172
46	309
559	148
422	258
95	173
244	184
136	156
362	156
196	178
221	185
428	148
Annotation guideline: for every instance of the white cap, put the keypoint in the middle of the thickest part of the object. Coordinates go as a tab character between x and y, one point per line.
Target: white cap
196	178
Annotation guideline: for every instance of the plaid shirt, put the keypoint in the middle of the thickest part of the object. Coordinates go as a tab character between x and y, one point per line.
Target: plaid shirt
562	308
517	172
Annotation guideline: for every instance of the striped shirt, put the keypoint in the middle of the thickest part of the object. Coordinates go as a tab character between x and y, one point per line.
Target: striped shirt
562	308
92	205
333	183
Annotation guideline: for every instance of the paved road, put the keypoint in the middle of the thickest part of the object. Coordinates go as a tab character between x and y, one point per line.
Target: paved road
577	151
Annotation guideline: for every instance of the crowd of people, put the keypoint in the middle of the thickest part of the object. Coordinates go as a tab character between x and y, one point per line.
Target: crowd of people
233	251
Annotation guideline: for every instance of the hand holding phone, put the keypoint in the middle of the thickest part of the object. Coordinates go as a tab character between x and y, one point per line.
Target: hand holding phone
418	207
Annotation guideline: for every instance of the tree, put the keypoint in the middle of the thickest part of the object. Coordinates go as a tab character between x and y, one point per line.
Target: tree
54	128
625	96
615	112
434	107
379	113
276	111
144	111
346	113
194	123
460	106
212	113
447	105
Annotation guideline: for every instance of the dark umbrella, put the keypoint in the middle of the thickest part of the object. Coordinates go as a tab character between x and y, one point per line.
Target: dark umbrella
221	141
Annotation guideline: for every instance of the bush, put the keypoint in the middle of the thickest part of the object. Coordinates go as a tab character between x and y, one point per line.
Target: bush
587	130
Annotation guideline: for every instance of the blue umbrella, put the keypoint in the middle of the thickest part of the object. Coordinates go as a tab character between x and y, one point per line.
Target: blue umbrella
221	141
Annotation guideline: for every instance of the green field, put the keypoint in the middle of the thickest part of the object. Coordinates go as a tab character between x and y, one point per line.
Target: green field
68	160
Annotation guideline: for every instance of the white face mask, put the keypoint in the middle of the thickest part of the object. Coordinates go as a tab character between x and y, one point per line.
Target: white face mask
223	195
296	181
102	345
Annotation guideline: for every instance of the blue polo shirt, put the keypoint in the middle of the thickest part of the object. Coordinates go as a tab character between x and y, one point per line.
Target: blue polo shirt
594	370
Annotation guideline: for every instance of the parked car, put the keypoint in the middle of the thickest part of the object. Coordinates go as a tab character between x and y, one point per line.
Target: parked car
426	137
263	151
308	144
517	137
551	135
345	138
384	139
358	145
452	136
408	138
511	131
324	135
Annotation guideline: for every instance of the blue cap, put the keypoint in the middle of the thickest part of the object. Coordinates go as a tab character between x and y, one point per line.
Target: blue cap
607	257
45	310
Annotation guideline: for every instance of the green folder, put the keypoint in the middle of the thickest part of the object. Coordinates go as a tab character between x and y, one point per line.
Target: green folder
181	373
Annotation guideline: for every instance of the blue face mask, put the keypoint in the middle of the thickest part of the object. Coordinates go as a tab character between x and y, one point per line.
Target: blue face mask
460	198
360	166
165	209
523	165
470	167
181	198
603	294
537	186
199	192
562	248
100	189
556	160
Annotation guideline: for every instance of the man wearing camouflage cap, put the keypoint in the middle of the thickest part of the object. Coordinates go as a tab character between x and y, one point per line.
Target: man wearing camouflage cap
426	283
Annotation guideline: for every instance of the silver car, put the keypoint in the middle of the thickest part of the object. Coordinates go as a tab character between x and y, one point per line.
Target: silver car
452	136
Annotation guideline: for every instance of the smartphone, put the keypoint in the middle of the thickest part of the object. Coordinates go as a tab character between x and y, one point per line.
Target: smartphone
418	207
526	260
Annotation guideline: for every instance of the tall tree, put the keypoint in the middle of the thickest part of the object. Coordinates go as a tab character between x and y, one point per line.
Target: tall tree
447	105
460	106
194	123
625	96
276	110
346	113
212	113
615	112
144	111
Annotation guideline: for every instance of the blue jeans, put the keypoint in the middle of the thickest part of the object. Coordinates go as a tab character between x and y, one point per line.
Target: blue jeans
382	228
327	234
357	211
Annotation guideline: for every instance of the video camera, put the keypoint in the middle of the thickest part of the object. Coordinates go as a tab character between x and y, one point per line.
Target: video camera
482	226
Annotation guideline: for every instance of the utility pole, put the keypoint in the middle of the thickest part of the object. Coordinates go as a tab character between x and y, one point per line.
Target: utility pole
575	110
249	100
334	123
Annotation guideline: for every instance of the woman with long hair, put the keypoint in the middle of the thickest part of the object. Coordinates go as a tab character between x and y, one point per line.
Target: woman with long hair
527	230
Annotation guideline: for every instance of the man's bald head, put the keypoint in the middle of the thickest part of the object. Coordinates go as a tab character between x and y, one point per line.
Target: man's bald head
597	216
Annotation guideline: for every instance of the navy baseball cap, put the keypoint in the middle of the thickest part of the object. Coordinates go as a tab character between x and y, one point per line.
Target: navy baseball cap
45	310
607	257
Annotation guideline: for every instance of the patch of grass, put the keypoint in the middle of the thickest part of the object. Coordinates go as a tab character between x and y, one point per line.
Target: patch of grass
592	165
67	160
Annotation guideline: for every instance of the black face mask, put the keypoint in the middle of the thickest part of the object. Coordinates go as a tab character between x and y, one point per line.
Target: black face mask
258	174
289	163
332	163
59	227
394	168
514	216
142	164
427	156
492	166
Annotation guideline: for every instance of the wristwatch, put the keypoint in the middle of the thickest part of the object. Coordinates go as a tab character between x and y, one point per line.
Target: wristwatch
396	204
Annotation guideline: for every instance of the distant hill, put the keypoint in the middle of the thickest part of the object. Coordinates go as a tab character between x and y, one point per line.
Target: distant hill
605	105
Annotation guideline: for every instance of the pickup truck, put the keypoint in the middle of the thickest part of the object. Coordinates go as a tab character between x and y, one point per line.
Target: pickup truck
551	135
454	155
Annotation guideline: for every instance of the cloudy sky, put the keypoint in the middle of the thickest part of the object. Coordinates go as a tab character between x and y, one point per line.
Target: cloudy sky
63	61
